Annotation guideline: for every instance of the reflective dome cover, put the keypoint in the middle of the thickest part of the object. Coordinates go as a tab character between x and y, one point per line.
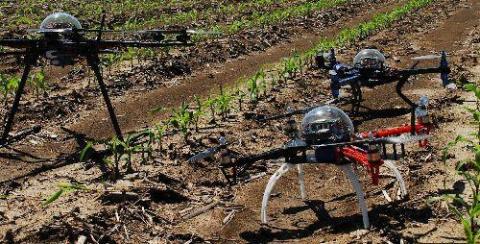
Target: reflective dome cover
369	58
59	21
327	123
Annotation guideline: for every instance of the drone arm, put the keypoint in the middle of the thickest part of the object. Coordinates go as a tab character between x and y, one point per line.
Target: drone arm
422	71
18	43
106	44
281	116
248	161
13	53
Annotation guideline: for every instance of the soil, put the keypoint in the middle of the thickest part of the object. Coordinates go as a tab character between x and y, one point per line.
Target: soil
161	193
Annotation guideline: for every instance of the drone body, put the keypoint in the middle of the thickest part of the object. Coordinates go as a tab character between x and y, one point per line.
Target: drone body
62	41
327	137
370	70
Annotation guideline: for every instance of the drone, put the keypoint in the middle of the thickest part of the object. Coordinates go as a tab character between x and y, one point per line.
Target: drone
328	137
62	41
370	70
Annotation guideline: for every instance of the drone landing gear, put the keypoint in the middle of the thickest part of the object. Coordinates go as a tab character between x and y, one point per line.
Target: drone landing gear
347	169
94	63
273	180
31	59
412	105
401	183
357	97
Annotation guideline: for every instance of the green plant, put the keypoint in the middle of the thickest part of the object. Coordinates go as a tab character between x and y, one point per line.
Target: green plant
240	96
146	148
63	189
115	146
86	151
198	112
38	82
160	130
9	85
211	103
252	87
182	119
466	207
129	148
223	103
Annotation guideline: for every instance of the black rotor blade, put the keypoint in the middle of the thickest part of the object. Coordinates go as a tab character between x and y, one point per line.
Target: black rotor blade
18	43
106	44
13	53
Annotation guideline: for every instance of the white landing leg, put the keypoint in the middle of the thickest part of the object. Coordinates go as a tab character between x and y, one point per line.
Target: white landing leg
391	165
348	170
268	190
301	181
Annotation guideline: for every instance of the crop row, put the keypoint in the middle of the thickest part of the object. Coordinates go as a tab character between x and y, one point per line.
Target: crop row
256	20
141	14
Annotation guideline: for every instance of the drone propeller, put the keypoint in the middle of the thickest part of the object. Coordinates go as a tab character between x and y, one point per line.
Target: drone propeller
62	30
291	112
385	140
18	43
204	32
427	57
209	152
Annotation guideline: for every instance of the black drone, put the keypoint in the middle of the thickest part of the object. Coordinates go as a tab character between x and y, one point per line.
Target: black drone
63	41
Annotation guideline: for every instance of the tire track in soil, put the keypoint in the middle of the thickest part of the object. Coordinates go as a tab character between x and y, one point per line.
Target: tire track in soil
293	220
133	110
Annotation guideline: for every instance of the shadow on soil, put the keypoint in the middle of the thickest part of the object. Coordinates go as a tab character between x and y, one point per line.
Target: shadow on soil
392	217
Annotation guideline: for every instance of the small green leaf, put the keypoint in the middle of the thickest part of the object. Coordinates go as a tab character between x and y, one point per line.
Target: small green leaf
53	197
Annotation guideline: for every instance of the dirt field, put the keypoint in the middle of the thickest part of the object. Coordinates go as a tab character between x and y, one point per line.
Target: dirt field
160	196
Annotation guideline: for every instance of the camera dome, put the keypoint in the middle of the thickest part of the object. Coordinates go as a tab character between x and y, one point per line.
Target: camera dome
59	21
369	59
327	124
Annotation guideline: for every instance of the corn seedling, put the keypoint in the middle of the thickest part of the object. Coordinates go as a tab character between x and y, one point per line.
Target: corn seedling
211	103
181	119
240	96
253	88
223	103
38	82
115	146
129	148
86	151
160	130
63	189
198	112
147	147
466	207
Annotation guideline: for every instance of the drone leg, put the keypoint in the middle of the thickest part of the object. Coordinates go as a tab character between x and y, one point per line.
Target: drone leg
268	190
412	105
347	169
21	86
384	148
395	155
301	181
360	98
94	64
357	97
391	165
